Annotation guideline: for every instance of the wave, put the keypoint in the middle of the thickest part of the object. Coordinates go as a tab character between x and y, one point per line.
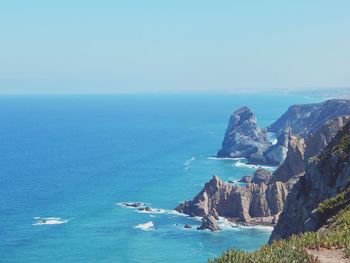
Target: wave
274	141
146	226
259	227
225	224
253	166
144	209
188	162
49	221
225	158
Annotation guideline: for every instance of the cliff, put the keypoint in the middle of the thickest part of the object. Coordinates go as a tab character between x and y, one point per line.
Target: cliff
306	118
326	176
243	138
262	199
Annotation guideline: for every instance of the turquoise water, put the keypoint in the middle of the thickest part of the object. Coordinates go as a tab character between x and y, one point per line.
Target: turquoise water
75	157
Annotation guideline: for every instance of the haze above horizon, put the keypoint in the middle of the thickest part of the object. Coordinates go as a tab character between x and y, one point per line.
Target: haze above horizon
172	46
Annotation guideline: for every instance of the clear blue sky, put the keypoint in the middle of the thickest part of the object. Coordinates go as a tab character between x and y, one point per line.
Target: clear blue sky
81	46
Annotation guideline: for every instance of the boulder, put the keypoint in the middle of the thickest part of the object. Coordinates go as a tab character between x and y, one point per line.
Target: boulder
209	222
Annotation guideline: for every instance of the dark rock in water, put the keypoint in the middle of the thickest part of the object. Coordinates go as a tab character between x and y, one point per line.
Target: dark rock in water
187	226
230	182
243	137
209	222
306	118
147	209
261	176
135	205
245	179
326	175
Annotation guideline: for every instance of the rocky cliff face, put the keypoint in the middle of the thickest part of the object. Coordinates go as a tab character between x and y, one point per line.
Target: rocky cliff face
276	153
243	138
306	118
263	197
294	164
238	203
326	176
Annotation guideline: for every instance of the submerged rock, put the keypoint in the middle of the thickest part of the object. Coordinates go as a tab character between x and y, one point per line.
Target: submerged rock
187	226
134	205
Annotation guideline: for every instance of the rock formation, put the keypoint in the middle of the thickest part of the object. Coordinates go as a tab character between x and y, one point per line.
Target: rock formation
243	138
209	222
241	204
306	118
262	199
261	176
326	176
276	153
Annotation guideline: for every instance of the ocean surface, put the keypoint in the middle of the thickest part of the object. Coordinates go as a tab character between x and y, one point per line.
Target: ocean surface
66	162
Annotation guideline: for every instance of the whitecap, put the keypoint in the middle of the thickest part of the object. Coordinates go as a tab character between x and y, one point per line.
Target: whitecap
225	224
146	226
253	166
259	227
49	221
225	158
189	161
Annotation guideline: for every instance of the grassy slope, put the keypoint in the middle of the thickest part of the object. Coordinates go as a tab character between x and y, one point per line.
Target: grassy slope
335	235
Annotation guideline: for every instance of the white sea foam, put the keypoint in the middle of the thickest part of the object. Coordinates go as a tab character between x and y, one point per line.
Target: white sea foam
49	221
225	224
142	209
225	158
152	211
189	161
146	226
253	166
259	227
274	141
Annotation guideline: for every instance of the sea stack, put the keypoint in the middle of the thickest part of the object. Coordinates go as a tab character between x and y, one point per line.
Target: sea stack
243	137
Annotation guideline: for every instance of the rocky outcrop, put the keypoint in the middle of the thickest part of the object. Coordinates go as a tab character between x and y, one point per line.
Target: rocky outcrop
325	176
209	222
241	204
276	153
294	164
261	176
318	140
243	138
306	118
245	179
262	198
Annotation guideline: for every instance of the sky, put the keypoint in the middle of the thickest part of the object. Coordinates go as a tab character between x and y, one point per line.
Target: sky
141	46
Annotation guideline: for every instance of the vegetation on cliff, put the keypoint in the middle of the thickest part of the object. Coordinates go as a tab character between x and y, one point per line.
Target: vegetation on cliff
336	235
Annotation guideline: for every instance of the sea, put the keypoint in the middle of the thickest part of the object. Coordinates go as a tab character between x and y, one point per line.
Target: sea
69	162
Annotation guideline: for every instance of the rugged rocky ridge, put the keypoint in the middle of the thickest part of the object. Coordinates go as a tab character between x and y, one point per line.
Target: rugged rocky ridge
262	198
326	176
243	138
306	118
